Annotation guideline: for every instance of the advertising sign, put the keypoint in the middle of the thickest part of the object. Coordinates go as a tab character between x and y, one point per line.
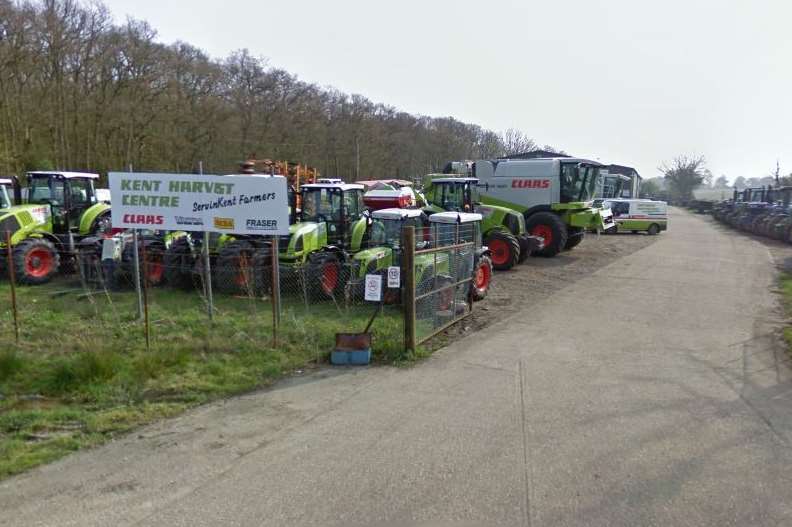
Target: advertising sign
243	204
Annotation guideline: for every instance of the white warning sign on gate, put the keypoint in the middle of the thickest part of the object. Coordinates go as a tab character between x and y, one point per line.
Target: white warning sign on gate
394	277
373	287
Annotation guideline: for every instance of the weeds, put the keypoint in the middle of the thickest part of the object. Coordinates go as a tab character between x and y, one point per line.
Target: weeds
81	373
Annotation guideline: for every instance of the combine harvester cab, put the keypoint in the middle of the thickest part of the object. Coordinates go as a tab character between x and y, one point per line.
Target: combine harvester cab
61	210
554	195
504	229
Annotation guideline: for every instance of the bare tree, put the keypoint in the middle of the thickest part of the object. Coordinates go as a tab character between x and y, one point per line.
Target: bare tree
516	142
683	174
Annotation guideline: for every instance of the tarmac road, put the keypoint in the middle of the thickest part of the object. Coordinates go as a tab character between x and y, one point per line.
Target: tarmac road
651	392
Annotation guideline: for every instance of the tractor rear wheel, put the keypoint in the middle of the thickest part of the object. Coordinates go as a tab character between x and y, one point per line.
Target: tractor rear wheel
179	262
576	235
234	269
482	278
550	227
326	276
35	261
151	254
505	249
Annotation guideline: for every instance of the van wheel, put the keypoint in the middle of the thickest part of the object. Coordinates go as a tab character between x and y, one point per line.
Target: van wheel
653	229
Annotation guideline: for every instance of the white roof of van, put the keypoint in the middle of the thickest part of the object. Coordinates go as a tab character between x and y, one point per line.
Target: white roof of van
396	214
67	175
4	181
455	217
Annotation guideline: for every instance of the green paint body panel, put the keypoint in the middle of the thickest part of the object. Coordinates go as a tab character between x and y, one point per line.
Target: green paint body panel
574	214
309	236
381	256
90	215
29	227
358	232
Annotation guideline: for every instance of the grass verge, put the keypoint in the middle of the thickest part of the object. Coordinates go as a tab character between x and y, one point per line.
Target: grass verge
81	373
786	298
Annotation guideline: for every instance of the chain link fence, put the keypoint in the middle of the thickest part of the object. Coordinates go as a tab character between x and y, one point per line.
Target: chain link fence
444	273
160	293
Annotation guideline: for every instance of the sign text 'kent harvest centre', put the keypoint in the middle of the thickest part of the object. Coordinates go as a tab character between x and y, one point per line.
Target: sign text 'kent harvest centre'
241	204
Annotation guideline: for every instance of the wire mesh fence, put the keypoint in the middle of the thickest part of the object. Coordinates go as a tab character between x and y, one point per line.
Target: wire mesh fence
186	299
444	274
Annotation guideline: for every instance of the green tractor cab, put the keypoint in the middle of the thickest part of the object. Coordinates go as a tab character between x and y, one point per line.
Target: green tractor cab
61	209
342	223
385	238
504	228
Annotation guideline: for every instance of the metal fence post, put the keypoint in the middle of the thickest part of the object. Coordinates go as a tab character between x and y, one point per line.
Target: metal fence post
207	278
146	328
408	274
12	280
276	300
136	269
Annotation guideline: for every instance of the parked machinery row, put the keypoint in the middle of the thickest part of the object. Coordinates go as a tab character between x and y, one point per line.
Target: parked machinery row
764	211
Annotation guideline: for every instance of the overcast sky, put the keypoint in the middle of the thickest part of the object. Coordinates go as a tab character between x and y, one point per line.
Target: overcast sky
631	82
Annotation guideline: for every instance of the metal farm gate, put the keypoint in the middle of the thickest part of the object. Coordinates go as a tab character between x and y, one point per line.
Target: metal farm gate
438	274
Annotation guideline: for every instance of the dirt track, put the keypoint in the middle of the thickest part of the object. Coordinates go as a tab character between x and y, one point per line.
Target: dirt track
537	278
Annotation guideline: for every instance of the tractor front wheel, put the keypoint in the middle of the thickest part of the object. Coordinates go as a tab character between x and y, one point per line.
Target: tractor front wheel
505	250
35	261
551	228
482	278
653	229
326	276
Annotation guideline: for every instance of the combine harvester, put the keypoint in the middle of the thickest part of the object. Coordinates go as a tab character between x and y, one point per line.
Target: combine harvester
554	196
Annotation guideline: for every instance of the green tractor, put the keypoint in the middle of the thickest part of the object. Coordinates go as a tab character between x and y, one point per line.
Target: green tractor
60	210
385	237
342	234
503	228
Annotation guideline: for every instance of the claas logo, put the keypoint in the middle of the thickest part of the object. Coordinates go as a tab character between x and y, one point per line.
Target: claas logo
224	223
530	183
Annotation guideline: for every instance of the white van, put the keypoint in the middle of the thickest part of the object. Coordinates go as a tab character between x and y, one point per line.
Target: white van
638	214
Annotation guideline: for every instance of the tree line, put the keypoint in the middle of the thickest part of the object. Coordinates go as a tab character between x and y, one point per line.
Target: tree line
80	92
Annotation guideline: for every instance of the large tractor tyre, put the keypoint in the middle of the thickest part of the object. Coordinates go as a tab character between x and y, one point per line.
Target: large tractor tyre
505	250
482	278
179	262
653	229
551	228
35	261
151	255
233	270
326	276
575	236
262	271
